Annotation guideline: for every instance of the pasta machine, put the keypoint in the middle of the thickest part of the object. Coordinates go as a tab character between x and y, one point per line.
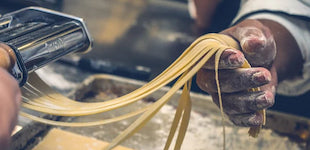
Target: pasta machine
36	36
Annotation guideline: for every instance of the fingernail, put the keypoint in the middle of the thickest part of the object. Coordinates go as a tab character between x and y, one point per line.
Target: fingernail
260	78
264	101
255	120
228	52
234	58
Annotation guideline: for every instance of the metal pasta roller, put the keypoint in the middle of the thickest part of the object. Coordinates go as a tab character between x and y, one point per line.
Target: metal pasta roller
35	36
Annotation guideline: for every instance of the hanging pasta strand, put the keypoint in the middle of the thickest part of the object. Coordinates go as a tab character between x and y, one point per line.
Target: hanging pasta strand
185	117
39	97
217	58
254	131
183	102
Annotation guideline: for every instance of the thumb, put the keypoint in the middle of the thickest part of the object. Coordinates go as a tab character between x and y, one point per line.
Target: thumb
256	41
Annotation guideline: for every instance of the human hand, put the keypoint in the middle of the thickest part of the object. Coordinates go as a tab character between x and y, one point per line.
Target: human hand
10	97
258	47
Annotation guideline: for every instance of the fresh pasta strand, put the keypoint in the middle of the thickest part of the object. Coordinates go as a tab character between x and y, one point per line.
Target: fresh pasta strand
180	109
38	96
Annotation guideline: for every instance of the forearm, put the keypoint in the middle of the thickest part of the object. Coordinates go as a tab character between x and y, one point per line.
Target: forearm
204	11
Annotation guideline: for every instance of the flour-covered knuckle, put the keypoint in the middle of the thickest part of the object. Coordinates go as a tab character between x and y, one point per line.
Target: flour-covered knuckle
230	59
258	49
248	120
234	80
264	101
246	102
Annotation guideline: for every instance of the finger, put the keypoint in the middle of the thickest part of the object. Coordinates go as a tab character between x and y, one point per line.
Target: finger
10	97
251	119
233	80
10	52
271	86
5	61
4	138
230	59
256	42
245	102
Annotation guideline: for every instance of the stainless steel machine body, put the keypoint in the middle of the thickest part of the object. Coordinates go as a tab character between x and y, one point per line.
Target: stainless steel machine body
39	36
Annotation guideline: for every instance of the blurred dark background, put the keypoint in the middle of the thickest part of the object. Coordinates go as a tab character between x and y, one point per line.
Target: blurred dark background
139	39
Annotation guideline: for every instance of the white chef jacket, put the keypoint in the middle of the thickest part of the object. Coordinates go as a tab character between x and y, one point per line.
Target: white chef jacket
294	15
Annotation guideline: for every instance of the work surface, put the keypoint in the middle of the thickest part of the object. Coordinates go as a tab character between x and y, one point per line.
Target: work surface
205	129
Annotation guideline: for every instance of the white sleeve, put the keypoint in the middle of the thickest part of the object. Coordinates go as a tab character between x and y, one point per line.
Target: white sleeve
299	27
291	7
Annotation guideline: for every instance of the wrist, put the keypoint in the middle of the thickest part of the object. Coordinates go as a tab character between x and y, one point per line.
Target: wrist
288	62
